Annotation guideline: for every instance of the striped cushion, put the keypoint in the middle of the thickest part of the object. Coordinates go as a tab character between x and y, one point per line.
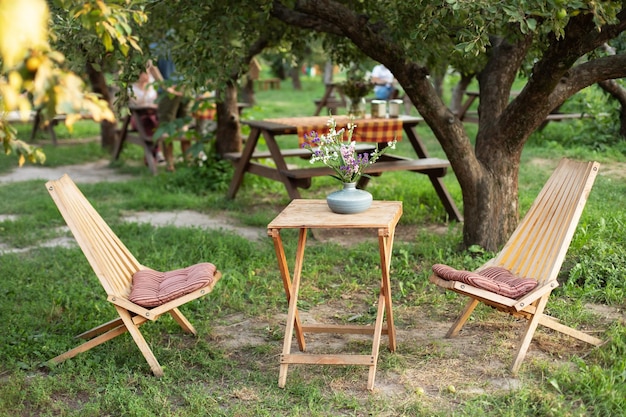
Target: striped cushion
495	279
152	288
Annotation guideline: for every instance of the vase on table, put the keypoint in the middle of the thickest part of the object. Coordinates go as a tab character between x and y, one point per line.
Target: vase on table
356	107
349	200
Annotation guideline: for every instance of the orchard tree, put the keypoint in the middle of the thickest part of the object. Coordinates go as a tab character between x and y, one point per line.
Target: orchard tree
36	75
212	44
98	40
33	74
554	43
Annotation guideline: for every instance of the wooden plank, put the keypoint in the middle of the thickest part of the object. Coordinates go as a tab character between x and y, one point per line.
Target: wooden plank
290	153
431	166
311	359
381	215
556	117
340	329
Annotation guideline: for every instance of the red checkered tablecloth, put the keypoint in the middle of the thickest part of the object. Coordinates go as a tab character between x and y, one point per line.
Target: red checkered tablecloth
366	130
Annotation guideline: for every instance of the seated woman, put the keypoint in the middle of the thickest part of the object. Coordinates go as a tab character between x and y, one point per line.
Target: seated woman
143	103
144	96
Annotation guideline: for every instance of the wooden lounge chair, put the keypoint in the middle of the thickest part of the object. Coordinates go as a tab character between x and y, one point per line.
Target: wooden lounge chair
532	257
139	294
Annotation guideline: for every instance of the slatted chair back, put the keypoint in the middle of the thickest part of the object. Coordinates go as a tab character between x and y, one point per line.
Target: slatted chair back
538	246
112	262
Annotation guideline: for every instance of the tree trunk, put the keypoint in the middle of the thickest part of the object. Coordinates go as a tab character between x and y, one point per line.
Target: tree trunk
108	130
456	101
228	138
294	73
491	209
247	91
618	93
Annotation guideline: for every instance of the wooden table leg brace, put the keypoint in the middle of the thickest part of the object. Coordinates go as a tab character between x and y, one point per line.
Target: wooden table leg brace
385	238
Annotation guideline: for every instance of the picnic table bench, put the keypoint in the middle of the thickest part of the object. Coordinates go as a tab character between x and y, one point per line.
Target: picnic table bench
556	116
293	178
34	117
269	84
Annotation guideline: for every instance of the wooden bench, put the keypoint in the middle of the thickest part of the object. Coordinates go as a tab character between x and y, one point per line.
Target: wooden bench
331	103
269	84
429	166
34	118
139	137
291	153
434	166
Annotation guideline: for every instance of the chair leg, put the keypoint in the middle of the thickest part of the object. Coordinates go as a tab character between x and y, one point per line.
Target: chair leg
140	341
101	329
182	320
553	324
90	344
460	321
528	334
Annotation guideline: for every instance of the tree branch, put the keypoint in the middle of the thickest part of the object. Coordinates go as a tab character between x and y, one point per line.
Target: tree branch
303	20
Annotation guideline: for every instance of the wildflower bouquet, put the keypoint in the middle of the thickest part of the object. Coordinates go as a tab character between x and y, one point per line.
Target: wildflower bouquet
339	155
356	89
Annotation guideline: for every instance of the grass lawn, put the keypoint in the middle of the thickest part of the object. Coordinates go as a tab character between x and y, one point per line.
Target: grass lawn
49	294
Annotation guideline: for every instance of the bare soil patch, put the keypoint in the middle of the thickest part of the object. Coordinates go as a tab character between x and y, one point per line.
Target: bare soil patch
441	372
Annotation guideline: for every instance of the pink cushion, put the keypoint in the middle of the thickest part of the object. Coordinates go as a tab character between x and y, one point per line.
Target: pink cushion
152	288
495	279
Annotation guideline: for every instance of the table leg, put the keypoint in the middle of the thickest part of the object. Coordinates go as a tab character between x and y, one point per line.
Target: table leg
292	313
244	161
119	145
281	165
385	310
147	143
284	273
466	106
324	100
437	182
385	243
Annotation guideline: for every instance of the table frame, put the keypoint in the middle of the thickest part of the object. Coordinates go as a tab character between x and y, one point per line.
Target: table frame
329	98
292	178
302	214
142	138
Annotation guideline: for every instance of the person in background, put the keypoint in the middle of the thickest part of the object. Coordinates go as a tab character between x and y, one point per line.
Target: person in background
143	92
172	104
383	81
143	98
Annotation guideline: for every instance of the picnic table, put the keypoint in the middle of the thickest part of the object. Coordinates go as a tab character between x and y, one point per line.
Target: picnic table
36	119
141	138
329	100
369	130
555	116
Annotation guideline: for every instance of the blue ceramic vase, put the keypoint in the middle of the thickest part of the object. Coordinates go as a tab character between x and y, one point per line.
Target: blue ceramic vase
349	200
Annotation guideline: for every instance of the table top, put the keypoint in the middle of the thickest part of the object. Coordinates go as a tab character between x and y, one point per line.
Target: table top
315	214
289	125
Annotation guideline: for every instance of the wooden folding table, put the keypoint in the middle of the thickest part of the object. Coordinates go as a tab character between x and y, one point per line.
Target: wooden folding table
303	214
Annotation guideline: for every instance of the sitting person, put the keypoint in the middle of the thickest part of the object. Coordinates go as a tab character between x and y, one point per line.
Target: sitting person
174	103
144	96
383	81
143	99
